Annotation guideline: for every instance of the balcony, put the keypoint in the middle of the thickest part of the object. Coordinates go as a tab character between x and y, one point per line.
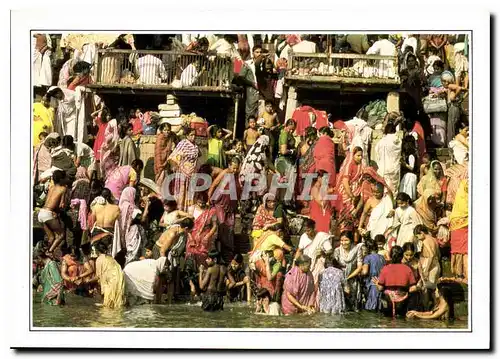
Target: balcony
325	70
162	70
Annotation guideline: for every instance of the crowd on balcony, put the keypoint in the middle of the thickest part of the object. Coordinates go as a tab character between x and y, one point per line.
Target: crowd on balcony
373	232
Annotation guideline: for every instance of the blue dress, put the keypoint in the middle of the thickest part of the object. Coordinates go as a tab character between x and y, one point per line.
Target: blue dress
375	262
331	293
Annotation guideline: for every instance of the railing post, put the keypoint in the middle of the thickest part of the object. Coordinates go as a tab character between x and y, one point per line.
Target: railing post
99	61
236	100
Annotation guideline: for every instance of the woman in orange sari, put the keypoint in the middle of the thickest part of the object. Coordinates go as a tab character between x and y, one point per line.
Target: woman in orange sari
70	269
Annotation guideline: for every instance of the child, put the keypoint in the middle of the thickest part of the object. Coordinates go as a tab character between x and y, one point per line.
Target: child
216	154
382	250
424	167
251	134
172	215
128	149
237	150
372	265
269	116
148	251
238	282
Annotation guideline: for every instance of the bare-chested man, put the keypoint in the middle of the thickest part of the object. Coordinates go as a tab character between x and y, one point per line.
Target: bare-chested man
171	236
378	211
212	281
105	214
49	214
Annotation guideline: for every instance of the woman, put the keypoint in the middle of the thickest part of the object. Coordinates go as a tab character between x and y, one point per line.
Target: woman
434	180
455	174
444	308
202	238
135	237
70	269
396	282
110	277
299	294
350	258
324	155
110	149
372	265
226	205
87	273
102	117
429	257
164	145
306	159
459	228
460	144
128	149
183	159
320	208
408	183
413	78
331	293
264	217
426	207
257	162
388	157
270	272
50	281
405	220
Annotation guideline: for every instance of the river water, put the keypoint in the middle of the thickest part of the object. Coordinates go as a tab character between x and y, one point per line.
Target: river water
81	312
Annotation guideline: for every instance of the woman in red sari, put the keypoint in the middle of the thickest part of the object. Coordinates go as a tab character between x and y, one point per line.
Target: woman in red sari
324	155
320	209
354	188
306	164
101	122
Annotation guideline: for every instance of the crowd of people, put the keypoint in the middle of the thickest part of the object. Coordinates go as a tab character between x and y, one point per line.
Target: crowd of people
370	235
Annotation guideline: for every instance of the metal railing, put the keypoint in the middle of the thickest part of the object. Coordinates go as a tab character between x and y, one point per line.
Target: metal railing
335	66
167	69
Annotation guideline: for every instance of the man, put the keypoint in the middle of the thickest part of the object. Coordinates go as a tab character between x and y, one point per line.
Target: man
238	282
49	214
378	209
42	68
384	47
83	154
358	42
43	118
249	77
151	70
211	281
316	245
105	216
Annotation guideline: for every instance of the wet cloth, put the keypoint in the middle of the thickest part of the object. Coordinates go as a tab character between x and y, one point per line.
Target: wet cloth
112	281
140	277
212	302
375	262
301	286
52	283
331	292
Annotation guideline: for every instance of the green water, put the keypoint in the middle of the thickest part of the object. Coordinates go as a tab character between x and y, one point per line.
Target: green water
81	312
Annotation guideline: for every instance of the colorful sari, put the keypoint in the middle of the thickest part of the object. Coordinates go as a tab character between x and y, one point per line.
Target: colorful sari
73	268
163	148
425	212
263	217
301	286
99	140
198	243
110	149
459	227
52	283
111	280
430	182
306	165
277	269
255	162
184	156
456	174
118	179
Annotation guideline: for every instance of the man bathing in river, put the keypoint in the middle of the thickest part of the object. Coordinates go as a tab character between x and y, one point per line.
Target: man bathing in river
49	214
212	283
104	214
171	236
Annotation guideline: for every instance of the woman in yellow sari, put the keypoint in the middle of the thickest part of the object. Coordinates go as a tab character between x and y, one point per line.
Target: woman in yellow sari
111	279
434	180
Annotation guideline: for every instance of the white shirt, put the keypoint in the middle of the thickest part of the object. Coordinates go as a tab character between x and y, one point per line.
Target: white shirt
189	75
222	47
83	150
151	70
305	46
410	41
382	47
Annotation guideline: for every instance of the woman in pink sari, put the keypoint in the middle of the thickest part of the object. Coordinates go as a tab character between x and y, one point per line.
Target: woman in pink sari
299	293
183	160
110	149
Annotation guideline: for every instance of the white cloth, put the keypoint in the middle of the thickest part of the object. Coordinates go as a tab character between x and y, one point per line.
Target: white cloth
305	46
362	136
251	64
86	153
408	219
222	47
378	222
408	185
140	277
117	240
189	75
42	67
460	152
321	242
409	41
151	70
384	48
388	158
429	69
133	241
